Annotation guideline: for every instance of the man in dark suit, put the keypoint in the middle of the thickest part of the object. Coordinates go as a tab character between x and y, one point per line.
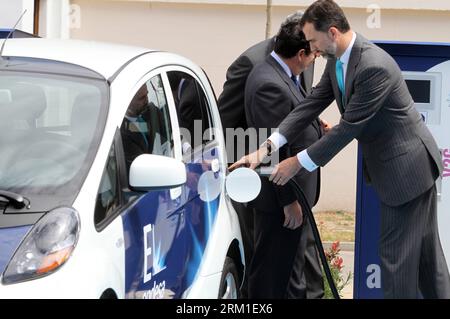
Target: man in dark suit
134	128
271	92
400	155
232	113
142	122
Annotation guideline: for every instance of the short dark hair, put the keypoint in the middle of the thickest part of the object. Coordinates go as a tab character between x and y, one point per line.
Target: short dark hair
295	17
324	14
291	39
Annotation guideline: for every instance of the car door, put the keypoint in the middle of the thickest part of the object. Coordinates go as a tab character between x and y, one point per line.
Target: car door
201	156
165	230
153	221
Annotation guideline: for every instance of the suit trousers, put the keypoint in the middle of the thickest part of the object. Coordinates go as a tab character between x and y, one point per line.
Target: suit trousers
306	281
412	260
274	253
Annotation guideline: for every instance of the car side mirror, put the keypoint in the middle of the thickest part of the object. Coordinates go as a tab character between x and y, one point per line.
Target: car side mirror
152	172
243	185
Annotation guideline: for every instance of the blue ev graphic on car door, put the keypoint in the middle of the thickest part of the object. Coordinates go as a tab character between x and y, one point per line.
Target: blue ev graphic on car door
166	232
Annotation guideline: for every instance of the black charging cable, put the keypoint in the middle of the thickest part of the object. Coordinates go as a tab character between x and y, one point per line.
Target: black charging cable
309	214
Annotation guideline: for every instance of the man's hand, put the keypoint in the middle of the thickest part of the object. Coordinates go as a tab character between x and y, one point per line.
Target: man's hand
284	171
293	215
326	127
251	160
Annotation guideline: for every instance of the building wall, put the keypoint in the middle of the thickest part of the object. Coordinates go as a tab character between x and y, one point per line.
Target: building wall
213	35
10	11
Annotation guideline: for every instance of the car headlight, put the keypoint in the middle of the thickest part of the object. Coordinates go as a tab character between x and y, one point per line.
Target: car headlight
47	246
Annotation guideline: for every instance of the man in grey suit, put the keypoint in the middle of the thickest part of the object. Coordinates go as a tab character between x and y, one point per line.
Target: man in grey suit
271	92
401	158
232	113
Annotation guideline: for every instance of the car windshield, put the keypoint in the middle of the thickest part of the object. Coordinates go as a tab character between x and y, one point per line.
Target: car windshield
50	129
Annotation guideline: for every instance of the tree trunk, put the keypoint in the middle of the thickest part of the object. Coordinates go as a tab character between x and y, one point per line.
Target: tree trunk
268	18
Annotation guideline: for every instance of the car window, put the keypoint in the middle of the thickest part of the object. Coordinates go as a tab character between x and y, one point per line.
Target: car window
108	199
192	110
146	127
50	128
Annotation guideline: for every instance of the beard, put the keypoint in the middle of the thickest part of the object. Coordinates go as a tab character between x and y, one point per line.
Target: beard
330	51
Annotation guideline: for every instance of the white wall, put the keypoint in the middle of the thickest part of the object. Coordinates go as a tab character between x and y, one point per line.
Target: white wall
54	19
436	5
10	11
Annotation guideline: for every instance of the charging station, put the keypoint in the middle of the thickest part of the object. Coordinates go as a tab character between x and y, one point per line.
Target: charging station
426	69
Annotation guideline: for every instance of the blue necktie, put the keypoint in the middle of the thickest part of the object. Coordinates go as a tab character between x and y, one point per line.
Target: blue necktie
294	79
340	79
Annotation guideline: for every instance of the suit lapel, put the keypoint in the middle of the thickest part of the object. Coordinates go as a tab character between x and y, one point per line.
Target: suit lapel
334	84
270	47
355	57
295	90
302	91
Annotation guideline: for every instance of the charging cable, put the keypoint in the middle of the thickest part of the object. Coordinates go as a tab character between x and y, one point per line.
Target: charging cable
265	172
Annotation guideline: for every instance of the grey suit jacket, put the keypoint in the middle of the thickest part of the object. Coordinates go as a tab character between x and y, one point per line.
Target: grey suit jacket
269	97
401	157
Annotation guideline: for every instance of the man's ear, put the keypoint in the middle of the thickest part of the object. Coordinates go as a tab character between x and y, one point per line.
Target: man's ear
301	53
333	32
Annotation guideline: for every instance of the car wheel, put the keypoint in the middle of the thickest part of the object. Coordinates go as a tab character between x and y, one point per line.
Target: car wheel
229	283
108	294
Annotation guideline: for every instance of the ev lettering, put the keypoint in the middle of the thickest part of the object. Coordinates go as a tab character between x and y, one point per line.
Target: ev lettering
152	252
147	252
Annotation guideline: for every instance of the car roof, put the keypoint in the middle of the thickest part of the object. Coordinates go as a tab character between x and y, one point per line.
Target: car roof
103	58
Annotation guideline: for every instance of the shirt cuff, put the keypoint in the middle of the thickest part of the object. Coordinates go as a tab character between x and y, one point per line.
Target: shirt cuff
306	161
277	140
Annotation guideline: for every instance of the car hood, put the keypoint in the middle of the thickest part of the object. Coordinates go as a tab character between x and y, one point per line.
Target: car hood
10	239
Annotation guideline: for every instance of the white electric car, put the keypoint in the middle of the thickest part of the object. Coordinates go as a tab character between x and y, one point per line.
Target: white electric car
103	194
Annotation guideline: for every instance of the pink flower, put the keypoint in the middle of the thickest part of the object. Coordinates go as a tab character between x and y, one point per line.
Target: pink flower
335	246
337	263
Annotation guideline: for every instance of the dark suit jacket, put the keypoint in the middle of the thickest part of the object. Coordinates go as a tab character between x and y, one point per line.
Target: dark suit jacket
269	97
231	101
401	157
188	107
134	143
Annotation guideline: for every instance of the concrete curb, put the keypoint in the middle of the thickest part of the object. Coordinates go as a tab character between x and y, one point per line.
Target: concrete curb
344	245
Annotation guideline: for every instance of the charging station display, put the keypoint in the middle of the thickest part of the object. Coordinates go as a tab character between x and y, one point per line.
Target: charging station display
426	69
